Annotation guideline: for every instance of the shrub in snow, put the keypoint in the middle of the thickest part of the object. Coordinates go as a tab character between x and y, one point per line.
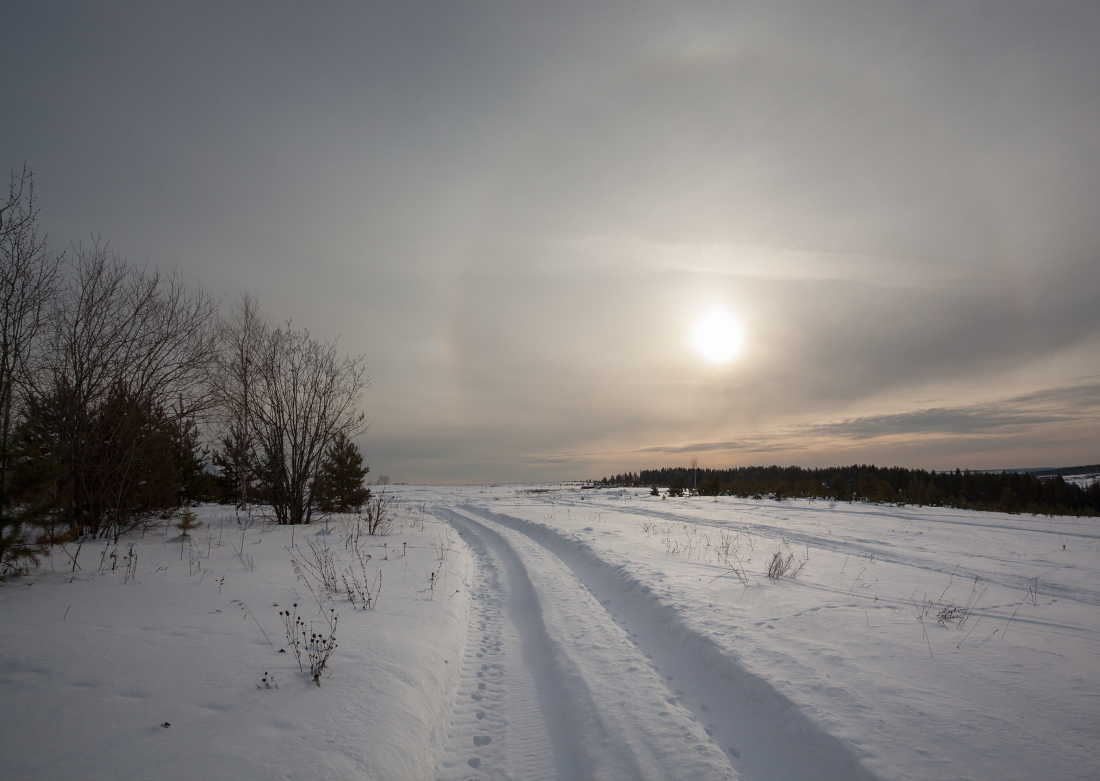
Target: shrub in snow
319	648
377	514
780	565
188	523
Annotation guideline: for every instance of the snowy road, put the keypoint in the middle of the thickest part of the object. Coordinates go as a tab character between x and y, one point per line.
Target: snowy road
501	724
572	672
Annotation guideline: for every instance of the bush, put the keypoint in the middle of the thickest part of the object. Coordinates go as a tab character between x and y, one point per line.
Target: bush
780	565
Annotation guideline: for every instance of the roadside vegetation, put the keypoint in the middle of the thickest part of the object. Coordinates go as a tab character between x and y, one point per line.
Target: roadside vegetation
127	395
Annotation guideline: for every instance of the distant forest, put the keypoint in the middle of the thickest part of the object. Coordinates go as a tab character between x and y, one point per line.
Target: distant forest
1012	492
1065	471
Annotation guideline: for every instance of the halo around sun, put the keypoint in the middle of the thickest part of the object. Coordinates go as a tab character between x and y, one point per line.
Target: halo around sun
717	337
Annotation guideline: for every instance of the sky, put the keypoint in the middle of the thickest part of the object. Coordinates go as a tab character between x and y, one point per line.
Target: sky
519	214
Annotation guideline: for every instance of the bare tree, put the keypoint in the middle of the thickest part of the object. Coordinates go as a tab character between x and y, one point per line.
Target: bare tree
127	349
235	382
309	395
28	280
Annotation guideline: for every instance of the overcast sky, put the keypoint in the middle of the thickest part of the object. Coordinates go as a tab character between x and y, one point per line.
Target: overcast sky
519	212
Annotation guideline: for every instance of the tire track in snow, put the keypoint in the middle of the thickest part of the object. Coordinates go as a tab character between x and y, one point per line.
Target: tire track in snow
765	734
605	708
498	726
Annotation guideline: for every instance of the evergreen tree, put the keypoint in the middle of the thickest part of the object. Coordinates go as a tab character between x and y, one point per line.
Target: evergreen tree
340	483
196	483
188	523
233	459
33	503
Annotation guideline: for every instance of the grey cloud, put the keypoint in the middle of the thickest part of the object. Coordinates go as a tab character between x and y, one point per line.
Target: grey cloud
515	211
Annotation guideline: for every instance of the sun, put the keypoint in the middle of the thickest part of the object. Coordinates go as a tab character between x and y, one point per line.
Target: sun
718	337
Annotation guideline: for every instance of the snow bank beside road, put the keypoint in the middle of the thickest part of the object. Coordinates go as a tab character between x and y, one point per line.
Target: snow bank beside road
90	669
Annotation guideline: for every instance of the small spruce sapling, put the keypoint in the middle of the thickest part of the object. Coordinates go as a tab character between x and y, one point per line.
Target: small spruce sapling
188	523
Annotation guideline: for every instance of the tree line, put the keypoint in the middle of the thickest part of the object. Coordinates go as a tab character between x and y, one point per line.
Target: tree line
1012	492
125	394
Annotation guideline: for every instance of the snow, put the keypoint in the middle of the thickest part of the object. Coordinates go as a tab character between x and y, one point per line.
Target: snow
573	634
90	669
1083	481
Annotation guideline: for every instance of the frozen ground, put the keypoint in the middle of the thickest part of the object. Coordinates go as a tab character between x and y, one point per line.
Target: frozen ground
549	632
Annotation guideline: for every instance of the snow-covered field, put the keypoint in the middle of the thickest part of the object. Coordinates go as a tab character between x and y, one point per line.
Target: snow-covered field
1084	480
551	632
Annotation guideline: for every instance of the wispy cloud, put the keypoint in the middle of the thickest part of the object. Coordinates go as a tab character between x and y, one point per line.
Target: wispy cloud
763	262
1067	406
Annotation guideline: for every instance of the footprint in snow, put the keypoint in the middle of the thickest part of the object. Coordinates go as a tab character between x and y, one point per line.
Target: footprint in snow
734	753
473	762
482	740
480	715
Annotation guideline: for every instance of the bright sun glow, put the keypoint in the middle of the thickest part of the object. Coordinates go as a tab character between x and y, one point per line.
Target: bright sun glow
718	337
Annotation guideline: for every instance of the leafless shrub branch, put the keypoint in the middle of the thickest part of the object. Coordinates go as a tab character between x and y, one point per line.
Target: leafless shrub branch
783	565
378	514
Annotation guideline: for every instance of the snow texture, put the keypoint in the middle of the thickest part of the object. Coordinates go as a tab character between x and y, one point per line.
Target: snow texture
552	632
